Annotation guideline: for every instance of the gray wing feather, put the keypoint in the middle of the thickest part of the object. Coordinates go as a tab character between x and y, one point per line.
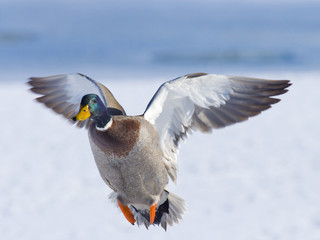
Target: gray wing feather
206	101
63	94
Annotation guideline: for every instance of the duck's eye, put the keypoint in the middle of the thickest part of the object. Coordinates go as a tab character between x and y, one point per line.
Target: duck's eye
94	101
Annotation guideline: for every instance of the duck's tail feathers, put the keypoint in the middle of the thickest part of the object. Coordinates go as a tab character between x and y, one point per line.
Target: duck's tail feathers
168	212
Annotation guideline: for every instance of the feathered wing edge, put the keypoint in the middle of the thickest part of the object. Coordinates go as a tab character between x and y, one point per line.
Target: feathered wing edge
63	93
205	101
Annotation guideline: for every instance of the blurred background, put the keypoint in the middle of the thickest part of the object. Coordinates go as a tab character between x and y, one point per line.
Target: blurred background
258	180
176	37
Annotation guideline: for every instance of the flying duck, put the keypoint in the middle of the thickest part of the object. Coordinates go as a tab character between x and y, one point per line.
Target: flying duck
136	155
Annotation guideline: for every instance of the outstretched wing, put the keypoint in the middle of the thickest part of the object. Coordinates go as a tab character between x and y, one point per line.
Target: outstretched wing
204	101
63	94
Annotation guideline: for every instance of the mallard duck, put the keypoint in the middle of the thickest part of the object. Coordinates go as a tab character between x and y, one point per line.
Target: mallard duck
136	155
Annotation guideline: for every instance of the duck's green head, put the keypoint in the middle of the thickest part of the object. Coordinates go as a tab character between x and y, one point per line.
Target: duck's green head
91	106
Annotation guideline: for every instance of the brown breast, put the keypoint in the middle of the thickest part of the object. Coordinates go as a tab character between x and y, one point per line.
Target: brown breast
120	138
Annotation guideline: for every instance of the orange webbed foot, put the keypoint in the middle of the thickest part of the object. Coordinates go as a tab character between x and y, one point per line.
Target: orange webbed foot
152	213
127	213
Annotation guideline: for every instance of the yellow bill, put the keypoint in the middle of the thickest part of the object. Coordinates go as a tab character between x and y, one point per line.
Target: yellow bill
83	114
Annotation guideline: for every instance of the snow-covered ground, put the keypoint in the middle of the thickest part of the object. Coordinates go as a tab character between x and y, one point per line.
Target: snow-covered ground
256	180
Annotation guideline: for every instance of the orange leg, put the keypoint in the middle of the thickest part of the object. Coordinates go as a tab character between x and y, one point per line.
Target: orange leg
127	213
152	213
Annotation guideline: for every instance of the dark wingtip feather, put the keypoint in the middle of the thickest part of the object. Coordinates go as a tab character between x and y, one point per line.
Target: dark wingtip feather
282	87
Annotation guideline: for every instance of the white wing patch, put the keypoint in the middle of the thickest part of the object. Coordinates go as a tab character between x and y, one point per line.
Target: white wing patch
79	85
202	102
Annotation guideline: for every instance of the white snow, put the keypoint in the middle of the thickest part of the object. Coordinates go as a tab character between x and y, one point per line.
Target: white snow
256	180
